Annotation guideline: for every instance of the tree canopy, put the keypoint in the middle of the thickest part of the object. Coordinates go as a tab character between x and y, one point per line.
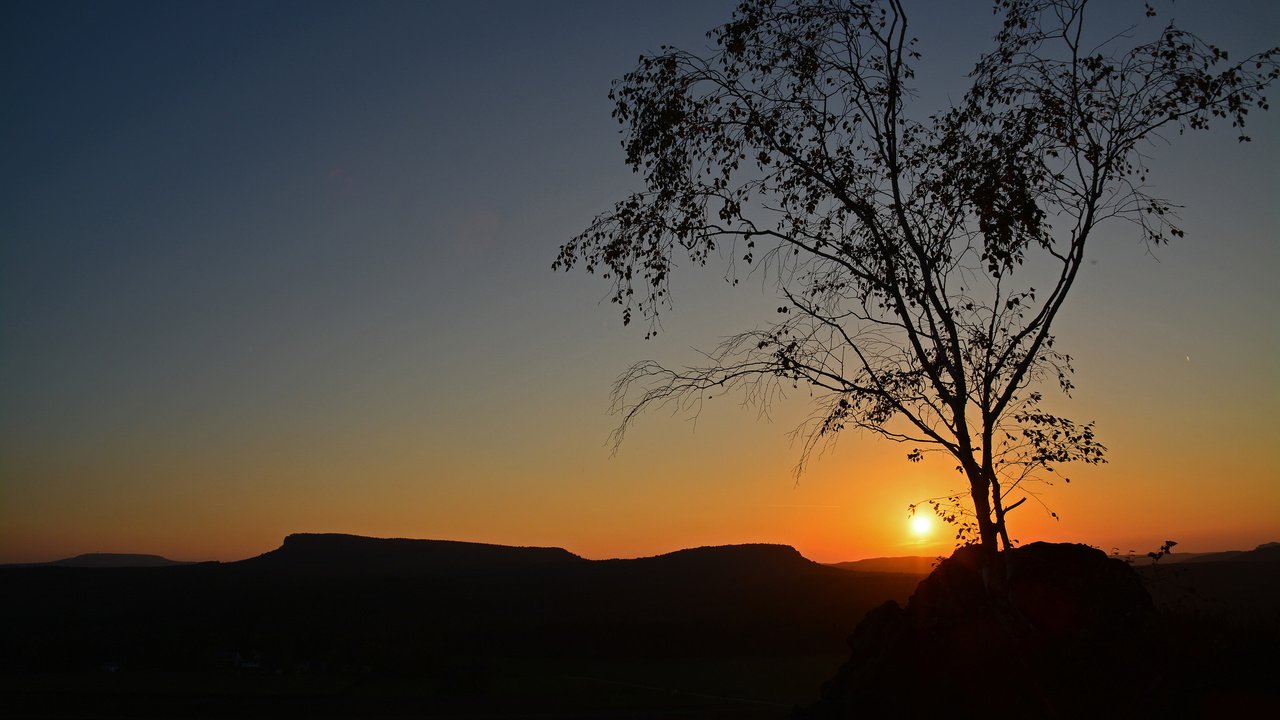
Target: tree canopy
901	248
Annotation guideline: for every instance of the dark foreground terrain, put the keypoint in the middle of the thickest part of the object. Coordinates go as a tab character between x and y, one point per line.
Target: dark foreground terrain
1051	630
339	626
335	626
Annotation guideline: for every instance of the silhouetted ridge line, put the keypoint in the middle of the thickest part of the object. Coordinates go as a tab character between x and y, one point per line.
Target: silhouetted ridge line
336	553
1266	552
114	560
749	559
915	565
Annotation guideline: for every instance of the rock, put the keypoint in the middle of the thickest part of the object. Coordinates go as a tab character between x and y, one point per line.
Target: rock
1040	631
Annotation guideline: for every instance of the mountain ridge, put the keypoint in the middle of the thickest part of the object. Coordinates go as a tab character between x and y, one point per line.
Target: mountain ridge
911	564
336	552
390	604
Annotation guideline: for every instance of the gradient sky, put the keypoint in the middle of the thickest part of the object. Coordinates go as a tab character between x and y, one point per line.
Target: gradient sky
275	267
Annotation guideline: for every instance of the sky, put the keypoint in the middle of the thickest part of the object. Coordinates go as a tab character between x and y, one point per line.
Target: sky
278	267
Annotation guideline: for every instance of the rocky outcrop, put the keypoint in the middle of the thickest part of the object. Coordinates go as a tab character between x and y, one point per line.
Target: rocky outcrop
1040	631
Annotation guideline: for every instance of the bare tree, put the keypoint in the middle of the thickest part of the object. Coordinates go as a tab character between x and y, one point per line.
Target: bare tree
902	249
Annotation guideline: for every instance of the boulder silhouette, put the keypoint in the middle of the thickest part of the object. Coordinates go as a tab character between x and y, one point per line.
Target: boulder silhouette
1040	631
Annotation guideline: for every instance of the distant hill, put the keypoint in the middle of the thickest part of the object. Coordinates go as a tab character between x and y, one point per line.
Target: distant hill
340	600
1266	552
346	554
108	560
337	554
757	558
909	564
1238	587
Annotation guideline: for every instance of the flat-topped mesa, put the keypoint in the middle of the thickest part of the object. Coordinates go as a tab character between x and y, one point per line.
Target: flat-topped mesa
353	554
115	560
332	553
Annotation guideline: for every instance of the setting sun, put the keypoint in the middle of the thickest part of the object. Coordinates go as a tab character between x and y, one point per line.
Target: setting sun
920	525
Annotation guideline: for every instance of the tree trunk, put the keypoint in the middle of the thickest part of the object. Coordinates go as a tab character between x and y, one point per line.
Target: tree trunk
979	491
997	506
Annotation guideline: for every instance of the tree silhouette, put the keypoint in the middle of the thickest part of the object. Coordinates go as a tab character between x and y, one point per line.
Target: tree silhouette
904	250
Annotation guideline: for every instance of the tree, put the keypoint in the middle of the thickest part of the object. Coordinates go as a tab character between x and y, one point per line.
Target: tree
903	250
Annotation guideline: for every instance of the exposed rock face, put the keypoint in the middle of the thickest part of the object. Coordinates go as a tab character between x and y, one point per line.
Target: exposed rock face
1040	631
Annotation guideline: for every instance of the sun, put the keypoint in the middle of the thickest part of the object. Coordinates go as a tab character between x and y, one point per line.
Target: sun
920	525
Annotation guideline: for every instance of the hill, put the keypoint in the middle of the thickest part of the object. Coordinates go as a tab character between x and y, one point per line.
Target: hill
913	565
385	601
1266	552
1239	588
107	560
424	627
340	625
337	554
